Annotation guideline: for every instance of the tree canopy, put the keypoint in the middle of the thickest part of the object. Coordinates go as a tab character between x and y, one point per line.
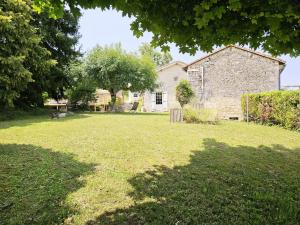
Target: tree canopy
82	89
159	58
273	25
113	69
19	49
34	52
59	37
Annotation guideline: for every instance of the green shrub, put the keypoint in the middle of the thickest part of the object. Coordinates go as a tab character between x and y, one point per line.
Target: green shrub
184	93
192	115
277	107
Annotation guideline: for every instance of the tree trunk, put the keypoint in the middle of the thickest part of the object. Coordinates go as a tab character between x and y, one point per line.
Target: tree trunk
113	99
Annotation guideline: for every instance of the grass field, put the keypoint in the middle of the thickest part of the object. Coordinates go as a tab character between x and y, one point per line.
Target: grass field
140	169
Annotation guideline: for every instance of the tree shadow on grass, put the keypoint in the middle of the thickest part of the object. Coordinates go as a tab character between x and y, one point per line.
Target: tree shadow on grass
222	184
130	113
29	120
34	184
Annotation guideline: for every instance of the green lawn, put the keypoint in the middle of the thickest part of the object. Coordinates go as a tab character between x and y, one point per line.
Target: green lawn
140	169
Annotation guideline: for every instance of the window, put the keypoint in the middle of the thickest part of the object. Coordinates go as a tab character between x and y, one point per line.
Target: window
175	78
135	95
158	98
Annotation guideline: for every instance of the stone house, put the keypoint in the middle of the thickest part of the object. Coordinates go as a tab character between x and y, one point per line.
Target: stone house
218	80
164	97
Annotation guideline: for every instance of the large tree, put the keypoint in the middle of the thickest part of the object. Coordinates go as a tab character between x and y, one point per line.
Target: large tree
273	25
19	48
34	52
159	58
113	69
59	37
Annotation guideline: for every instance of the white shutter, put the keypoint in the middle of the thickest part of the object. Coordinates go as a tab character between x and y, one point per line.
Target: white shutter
165	101
153	101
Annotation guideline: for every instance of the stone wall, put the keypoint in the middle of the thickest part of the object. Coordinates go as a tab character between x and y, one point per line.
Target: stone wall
227	75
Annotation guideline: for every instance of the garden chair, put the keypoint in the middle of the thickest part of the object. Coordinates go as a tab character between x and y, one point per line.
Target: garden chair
134	107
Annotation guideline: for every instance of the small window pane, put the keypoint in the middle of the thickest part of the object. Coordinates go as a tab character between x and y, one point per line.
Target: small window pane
158	98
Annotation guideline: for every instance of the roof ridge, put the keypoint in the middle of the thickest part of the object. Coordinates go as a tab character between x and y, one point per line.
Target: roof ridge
259	53
238	47
170	64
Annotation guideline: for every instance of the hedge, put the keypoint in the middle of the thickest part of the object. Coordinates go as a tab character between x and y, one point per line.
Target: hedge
277	107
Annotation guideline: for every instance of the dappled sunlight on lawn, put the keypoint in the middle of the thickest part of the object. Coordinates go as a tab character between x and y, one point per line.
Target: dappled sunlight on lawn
104	168
220	185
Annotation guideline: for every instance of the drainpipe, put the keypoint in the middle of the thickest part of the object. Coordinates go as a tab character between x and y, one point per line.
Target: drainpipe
202	77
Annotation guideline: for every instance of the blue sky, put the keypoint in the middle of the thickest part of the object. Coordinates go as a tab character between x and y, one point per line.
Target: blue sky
107	27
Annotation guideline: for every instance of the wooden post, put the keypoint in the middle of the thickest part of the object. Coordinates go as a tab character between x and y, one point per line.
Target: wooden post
176	115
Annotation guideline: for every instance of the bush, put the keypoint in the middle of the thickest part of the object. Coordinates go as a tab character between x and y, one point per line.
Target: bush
184	93
277	107
81	95
192	115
